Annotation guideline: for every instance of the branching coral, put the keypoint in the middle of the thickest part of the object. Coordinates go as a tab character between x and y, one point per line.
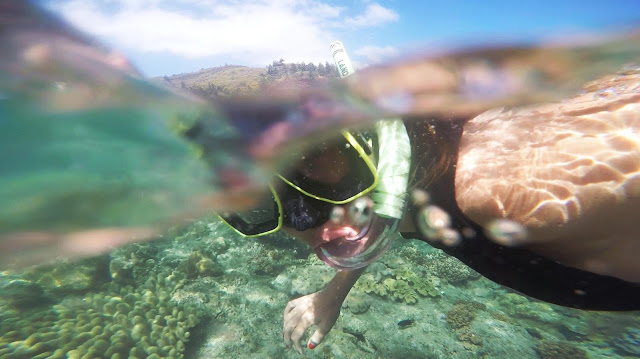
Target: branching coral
122	322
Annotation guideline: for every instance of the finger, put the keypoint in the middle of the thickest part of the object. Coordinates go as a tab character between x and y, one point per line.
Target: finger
316	338
286	333
287	328
288	318
305	322
291	321
290	306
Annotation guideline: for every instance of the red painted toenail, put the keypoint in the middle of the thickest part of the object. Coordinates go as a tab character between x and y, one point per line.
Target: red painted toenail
312	345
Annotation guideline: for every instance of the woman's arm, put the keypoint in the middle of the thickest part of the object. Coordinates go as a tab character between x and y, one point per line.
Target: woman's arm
321	308
569	172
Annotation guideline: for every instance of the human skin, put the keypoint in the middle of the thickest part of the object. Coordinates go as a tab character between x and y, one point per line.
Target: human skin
569	172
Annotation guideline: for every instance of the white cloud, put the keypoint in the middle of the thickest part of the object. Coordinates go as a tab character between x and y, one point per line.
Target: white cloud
376	54
258	30
374	15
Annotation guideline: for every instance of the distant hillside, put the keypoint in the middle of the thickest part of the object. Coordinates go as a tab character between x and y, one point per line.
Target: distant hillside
231	80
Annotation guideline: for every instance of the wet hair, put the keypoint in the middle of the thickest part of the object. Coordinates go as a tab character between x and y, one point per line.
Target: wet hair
302	212
434	149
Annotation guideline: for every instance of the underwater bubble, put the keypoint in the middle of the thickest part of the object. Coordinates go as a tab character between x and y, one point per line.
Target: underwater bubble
506	232
337	214
419	197
579	292
433	219
450	237
468	232
360	210
433	222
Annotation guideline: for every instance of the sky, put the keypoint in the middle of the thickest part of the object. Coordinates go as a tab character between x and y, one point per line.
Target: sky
165	37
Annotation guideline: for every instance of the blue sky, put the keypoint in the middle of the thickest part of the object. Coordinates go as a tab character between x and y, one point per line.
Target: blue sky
164	37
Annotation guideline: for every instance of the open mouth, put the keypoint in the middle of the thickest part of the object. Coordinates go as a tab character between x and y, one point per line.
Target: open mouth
348	233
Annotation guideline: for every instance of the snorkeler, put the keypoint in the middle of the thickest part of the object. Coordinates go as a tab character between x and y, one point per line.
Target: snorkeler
539	199
566	174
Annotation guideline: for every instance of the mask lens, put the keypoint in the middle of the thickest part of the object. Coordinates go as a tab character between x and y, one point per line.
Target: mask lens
337	171
264	218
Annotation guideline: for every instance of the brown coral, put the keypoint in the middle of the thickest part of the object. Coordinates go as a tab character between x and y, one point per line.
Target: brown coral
463	313
449	268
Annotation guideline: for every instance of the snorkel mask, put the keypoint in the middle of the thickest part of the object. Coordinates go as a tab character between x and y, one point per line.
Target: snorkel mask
354	217
304	197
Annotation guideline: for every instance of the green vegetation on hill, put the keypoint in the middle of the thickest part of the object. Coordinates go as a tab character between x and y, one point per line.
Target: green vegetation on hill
232	80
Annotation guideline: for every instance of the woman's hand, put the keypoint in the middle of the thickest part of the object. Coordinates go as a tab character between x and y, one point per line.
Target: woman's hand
321	309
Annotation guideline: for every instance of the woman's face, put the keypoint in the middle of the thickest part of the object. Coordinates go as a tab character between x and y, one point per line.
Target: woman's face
328	168
338	226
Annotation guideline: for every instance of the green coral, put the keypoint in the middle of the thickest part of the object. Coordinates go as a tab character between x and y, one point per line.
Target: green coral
404	273
426	288
122	322
198	264
400	290
358	303
400	283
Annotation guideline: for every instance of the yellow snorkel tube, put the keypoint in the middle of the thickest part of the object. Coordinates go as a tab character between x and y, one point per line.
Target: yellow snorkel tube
389	195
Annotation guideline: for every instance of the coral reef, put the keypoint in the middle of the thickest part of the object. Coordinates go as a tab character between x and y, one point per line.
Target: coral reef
297	281
462	313
198	264
238	288
468	336
518	306
69	278
554	350
449	268
20	293
460	317
121	322
398	282
358	303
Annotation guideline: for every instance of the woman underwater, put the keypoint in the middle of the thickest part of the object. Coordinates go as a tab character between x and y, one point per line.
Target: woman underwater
568	173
